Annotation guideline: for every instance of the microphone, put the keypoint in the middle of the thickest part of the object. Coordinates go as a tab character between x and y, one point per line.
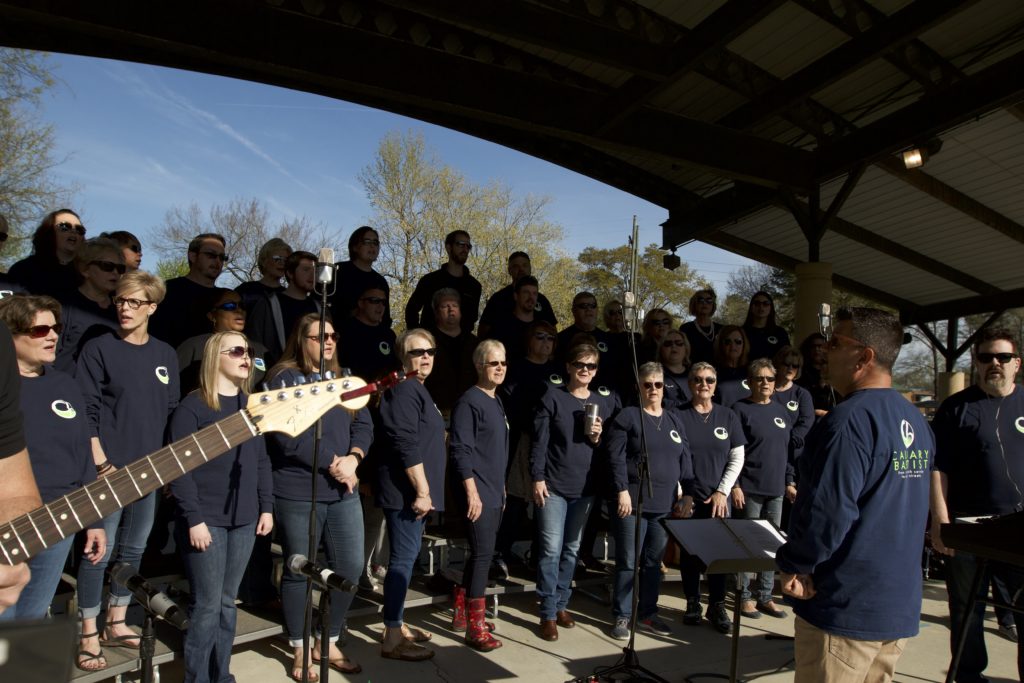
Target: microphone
156	602
325	266
825	321
323	577
629	316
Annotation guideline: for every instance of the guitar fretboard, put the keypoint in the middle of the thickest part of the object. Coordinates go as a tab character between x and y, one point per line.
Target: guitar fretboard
24	536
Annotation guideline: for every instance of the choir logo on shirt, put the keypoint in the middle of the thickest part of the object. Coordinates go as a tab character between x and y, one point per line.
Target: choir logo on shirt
906	433
780	423
555	379
910	463
773	340
604	391
746	385
384	348
259	364
162	375
721	433
792	405
537	307
1019	424
602	347
674	435
62	408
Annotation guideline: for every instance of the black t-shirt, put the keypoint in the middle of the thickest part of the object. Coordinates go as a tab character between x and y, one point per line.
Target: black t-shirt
765	341
367	350
502	302
511	332
453	371
9	286
352	283
12	434
702	346
419	311
182	314
44	276
254	291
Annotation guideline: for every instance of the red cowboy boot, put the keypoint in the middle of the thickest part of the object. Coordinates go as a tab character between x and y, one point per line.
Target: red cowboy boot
459	611
478	635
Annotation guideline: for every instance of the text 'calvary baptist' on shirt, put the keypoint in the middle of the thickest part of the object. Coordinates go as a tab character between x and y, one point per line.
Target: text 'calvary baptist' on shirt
980	446
478	445
712	437
560	454
858	522
292	456
130	391
668	453
766	463
230	490
414	434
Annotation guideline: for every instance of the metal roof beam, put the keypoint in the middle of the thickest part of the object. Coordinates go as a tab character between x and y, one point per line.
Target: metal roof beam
1013	298
721	208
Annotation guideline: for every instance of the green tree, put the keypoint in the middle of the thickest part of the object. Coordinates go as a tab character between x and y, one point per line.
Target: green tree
417	200
607	270
28	188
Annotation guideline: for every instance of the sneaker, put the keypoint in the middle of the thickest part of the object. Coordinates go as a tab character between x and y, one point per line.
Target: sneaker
1009	632
692	615
621	629
719	618
655	625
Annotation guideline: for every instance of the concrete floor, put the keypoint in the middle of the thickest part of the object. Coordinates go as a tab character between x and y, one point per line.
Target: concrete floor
581	650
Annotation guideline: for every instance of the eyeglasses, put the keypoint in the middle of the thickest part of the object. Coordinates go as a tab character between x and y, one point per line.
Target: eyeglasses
375	300
239	352
586	307
580	365
229	306
795	366
760	302
457	243
109	266
704	380
654	385
221	256
669	343
376	243
333	336
40	331
496	363
277	258
1003	358
614	311
763	380
64	226
137	248
416	353
704	300
540	336
833	342
733	342
133	304
662	321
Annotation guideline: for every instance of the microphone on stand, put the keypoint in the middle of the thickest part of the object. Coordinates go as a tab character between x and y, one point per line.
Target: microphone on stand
629	313
157	602
325	267
825	321
322	576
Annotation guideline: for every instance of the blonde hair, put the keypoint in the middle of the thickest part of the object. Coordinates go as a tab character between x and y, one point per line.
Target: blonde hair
152	285
400	349
211	368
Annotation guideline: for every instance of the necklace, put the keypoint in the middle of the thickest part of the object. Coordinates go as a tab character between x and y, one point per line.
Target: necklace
707	415
657	425
710	334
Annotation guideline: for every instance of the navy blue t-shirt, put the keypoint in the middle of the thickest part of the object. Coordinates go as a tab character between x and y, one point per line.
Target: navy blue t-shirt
732	385
711	438
478	445
677	389
352	282
702	347
765	342
980	446
367	350
83	319
858	523
800	405
230	490
766	464
414	431
524	385
668	453
130	391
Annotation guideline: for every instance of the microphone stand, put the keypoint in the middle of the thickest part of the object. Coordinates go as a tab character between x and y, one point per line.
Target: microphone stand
629	662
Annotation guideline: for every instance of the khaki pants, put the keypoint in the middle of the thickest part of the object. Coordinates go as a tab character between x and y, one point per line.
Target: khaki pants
822	657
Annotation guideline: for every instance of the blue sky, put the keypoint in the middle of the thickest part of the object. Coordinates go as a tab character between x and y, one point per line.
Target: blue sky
140	139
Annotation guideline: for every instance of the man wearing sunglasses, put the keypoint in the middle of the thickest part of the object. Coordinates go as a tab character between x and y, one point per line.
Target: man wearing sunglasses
453	274
979	472
852	561
181	315
369	342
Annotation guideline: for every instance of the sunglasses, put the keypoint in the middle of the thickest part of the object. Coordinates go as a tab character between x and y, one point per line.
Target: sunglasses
229	306
704	300
496	363
64	226
760	303
137	248
215	255
416	353
467	245
580	365
540	336
109	266
795	366
763	380
661	321
375	300
1003	358
704	380
586	307
654	385
133	304
669	343
733	342
333	336
239	352
40	331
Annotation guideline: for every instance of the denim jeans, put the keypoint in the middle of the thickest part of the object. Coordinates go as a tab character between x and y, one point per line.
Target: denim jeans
481	535
339	524
213	577
559	529
759	507
653	539
46	568
959	575
375	537
127	534
691	567
405	536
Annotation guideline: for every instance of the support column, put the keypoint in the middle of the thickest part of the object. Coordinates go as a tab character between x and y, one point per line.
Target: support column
813	288
948	383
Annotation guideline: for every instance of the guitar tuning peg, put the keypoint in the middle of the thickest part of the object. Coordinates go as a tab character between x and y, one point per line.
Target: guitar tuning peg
284	384
265	386
315	377
346	372
329	375
300	380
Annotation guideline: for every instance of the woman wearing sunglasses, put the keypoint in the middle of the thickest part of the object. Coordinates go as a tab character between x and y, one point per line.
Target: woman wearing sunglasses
49	270
479	453
57	436
674	355
656	325
731	354
129	380
89	309
410	485
221	507
764	335
670	464
563	465
702	330
716	444
767	470
345	441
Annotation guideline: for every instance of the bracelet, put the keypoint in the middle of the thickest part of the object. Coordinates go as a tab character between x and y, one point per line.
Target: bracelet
103	466
356	454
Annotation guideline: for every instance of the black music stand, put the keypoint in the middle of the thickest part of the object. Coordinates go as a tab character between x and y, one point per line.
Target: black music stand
728	546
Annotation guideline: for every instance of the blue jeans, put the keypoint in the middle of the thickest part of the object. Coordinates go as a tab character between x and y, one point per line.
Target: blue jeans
405	536
213	577
339	524
959	574
759	507
127	533
653	539
46	568
559	529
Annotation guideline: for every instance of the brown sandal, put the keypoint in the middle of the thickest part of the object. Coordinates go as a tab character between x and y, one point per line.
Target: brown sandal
407	651
120	641
84	656
415	635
